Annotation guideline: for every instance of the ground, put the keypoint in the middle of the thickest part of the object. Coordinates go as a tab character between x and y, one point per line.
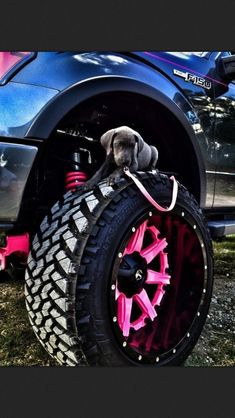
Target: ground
216	346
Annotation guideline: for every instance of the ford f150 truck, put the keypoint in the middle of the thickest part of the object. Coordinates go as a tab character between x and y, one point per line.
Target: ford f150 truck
110	280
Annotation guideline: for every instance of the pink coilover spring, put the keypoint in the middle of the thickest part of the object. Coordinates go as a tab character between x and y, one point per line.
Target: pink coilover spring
74	179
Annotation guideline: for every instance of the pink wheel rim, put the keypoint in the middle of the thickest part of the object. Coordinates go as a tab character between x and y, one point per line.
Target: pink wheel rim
157	317
159	279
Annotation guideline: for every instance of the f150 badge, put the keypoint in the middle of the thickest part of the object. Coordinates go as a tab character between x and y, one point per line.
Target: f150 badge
199	81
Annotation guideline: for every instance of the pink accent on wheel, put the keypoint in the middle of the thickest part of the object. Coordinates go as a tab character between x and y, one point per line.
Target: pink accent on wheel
154	277
139	323
144	303
153	250
124	313
14	244
136	241
159	279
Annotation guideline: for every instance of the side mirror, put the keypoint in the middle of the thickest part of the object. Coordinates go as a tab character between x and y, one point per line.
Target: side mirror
227	67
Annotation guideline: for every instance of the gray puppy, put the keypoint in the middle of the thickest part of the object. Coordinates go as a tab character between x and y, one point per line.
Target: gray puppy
124	148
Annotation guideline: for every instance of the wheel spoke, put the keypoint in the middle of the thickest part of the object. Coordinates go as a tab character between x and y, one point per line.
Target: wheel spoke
164	262
150	252
124	313
136	241
153	277
139	322
144	303
117	293
154	231
158	296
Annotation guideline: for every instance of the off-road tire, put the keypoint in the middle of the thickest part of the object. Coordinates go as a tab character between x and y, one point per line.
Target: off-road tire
68	278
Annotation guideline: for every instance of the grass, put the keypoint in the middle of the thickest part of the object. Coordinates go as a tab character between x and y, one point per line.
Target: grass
20	347
18	344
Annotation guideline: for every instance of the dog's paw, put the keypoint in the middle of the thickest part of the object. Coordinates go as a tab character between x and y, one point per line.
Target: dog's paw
113	179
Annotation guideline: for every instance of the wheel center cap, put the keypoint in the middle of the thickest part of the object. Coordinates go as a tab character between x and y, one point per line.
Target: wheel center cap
139	275
132	274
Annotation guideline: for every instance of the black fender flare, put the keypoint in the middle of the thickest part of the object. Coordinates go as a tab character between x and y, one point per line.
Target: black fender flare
61	104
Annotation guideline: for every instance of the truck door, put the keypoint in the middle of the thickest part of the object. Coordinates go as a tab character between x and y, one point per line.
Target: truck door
224	140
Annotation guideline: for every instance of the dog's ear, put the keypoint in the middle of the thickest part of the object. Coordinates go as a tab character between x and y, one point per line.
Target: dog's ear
139	141
107	140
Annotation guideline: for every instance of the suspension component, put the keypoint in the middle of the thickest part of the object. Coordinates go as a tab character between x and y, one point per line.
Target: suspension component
76	177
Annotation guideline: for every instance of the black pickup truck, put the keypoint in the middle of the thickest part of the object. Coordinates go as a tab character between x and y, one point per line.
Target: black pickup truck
109	279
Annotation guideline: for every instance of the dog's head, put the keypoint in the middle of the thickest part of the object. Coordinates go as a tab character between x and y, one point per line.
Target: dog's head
124	143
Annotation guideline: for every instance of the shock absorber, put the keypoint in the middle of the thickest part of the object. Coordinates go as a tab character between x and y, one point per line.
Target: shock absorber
76	176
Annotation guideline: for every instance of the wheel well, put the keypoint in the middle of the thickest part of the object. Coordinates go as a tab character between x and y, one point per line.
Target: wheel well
157	125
